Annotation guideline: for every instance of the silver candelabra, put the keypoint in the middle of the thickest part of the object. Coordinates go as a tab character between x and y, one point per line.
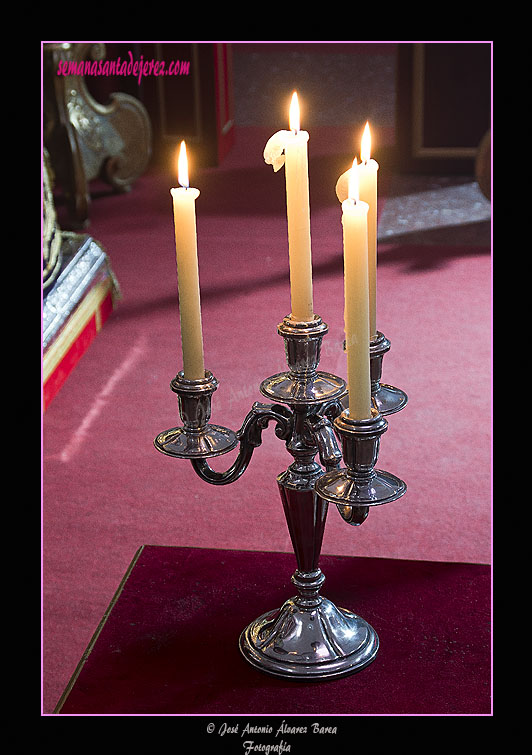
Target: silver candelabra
308	637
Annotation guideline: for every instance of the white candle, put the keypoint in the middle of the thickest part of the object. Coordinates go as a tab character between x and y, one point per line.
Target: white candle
356	312
298	216
184	203
289	148
367	173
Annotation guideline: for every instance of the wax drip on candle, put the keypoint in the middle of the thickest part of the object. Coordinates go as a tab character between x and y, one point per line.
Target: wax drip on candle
274	151
342	189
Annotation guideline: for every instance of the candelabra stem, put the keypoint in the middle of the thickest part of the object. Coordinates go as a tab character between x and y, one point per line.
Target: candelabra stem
305	516
308	638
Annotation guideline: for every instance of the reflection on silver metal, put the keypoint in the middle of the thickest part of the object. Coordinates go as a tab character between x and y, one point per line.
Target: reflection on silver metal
303	384
196	439
355	515
324	642
359	485
308	638
213	440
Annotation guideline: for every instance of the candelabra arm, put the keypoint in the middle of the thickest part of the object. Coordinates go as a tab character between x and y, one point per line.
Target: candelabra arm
322	431
250	437
331	409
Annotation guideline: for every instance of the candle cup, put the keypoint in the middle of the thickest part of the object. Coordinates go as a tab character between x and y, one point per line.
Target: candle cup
387	398
196	439
303	383
359	486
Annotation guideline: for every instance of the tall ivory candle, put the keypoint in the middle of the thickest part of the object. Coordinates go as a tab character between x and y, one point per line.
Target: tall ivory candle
298	216
184	201
367	176
356	312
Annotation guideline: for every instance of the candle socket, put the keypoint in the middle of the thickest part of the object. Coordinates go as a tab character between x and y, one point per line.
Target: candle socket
197	439
303	383
358	486
386	398
302	343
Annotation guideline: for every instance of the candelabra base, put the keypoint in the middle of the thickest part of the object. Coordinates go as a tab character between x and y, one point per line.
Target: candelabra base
309	643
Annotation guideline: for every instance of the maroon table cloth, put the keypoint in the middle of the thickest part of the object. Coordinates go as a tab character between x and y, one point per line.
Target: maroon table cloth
169	642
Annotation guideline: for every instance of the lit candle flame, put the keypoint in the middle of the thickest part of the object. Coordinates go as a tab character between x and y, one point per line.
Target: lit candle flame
352	186
182	166
294	113
365	148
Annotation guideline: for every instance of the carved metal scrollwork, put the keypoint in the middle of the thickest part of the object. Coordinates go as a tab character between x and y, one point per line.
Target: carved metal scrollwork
250	437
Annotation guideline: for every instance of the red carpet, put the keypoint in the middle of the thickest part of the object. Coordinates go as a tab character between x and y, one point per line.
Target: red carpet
107	490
